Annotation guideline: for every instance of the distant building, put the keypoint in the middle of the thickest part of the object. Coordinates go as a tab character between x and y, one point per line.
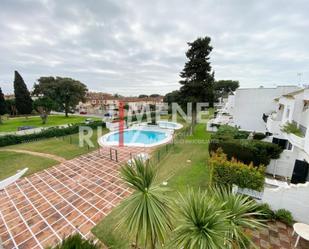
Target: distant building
103	103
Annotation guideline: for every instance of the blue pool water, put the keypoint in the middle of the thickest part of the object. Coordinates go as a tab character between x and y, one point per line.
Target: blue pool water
138	136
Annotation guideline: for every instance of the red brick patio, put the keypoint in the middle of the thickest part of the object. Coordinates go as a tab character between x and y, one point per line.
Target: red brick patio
40	210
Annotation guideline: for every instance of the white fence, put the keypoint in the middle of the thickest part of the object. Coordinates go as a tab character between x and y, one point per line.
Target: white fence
294	198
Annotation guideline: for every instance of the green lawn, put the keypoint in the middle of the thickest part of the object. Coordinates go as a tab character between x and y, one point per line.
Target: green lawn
174	168
12	124
67	147
10	162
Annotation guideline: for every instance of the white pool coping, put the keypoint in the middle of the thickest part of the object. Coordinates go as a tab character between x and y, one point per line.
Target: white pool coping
168	137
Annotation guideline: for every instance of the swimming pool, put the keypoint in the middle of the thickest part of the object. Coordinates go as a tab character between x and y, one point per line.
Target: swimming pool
169	125
137	137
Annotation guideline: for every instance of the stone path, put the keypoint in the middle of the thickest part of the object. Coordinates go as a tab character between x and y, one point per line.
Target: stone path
34	153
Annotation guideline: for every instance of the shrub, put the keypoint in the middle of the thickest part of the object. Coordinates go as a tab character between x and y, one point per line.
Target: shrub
259	136
285	216
267	212
292	128
228	132
247	151
46	133
76	241
234	172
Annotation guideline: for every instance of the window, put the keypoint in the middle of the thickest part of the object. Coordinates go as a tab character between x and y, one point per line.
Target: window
306	105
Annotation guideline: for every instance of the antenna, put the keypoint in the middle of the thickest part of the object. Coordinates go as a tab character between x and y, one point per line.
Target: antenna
299	76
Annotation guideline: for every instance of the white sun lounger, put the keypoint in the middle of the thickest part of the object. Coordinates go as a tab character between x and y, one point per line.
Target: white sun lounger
6	182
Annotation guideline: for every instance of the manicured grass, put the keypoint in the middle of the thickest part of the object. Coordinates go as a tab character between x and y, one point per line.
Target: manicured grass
10	162
174	168
12	124
67	147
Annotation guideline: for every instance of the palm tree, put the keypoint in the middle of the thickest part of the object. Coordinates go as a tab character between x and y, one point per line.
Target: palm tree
242	212
75	241
147	213
215	219
202	224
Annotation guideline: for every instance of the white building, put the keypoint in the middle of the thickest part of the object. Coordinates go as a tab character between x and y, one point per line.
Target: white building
245	108
251	103
290	108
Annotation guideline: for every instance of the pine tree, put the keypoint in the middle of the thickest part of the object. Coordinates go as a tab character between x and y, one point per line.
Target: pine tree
3	109
22	96
198	77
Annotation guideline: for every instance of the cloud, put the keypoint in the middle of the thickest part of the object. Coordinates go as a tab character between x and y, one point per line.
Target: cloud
137	46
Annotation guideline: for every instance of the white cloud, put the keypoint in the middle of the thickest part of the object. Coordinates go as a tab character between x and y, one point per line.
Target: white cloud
139	46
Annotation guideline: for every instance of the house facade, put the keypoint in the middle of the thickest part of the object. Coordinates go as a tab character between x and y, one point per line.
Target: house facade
291	110
246	106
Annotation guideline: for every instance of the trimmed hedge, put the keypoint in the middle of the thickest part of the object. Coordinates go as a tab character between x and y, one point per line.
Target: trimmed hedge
247	151
228	172
259	136
46	133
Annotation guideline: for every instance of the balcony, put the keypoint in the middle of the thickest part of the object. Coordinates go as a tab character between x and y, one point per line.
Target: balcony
273	124
295	140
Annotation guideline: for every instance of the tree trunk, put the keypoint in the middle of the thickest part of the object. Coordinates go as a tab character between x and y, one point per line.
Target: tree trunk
66	109
0	119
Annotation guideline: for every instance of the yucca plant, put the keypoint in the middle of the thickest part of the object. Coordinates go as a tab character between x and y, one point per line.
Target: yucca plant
202	224
76	241
242	212
146	215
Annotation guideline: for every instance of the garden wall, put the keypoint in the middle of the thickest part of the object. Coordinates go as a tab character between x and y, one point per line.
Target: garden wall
294	198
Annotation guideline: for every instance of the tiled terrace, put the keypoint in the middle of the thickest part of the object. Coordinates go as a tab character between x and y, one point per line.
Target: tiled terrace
40	210
277	236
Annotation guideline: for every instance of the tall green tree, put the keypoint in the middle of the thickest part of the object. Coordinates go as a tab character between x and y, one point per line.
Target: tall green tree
23	99
3	109
65	92
198	77
147	214
224	87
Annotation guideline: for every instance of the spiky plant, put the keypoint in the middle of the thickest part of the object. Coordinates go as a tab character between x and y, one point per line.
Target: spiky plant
75	241
146	214
242	212
202	224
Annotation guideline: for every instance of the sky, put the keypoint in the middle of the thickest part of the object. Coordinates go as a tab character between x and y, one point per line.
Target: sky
134	47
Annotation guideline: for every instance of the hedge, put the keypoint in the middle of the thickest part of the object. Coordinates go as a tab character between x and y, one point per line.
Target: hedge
46	133
229	172
247	151
259	136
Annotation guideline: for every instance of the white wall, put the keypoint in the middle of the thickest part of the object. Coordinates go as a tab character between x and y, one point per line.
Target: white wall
294	198
251	103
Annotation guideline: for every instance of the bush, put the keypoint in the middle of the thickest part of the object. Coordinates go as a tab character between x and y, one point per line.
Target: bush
259	136
292	128
234	172
285	216
46	133
247	151
267	212
228	132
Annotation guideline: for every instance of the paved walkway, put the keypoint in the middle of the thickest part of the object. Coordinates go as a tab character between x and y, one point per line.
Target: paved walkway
277	235
40	210
34	153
